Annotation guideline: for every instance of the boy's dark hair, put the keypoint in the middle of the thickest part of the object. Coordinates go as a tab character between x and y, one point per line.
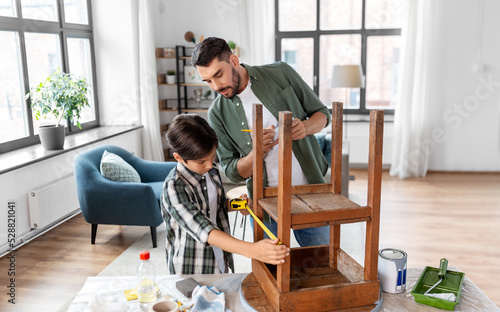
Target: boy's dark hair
191	136
209	49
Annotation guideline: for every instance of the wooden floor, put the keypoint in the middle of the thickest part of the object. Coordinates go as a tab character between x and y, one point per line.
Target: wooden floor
451	215
54	267
444	215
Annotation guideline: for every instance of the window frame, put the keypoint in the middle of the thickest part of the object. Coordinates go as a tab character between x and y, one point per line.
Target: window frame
64	31
316	34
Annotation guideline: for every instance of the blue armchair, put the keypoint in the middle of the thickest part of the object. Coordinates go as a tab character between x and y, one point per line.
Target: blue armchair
104	201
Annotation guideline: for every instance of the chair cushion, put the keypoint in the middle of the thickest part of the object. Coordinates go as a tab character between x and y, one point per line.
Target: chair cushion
114	168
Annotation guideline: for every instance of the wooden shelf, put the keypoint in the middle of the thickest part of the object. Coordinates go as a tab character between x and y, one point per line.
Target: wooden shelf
194	110
163	105
317	208
184	102
159	53
166	155
201	84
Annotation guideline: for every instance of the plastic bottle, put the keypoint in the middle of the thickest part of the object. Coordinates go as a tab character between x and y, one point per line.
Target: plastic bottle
146	289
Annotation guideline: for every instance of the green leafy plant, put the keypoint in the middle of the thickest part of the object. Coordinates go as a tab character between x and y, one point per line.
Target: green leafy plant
207	94
231	45
60	95
170	72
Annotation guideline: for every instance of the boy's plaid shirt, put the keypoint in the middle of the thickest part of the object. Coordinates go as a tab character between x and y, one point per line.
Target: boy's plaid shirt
184	203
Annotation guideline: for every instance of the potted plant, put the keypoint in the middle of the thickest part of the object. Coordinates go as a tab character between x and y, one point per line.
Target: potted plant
61	96
170	76
207	94
234	49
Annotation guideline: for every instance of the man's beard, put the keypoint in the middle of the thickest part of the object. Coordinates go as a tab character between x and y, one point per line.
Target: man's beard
235	86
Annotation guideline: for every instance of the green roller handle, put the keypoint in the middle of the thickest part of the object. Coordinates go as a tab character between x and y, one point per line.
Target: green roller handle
443	266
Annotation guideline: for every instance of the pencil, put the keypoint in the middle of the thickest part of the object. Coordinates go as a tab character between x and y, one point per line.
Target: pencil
246	130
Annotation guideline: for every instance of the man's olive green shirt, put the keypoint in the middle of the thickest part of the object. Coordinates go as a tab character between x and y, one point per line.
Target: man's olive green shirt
279	88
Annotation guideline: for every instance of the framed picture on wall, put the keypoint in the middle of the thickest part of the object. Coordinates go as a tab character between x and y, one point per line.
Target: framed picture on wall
191	75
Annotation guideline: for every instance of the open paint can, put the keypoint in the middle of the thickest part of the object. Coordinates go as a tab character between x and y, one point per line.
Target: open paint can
392	270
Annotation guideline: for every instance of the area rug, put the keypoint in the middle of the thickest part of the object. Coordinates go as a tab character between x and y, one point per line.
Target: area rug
126	263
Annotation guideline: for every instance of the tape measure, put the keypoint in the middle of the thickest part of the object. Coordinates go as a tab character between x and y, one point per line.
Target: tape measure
240	204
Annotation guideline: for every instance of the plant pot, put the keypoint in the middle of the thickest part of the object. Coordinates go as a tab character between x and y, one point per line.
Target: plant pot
52	137
171	79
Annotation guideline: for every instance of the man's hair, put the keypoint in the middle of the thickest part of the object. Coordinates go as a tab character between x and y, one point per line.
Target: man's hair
191	136
209	49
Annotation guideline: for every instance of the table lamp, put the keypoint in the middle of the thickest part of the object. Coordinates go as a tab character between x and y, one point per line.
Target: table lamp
347	76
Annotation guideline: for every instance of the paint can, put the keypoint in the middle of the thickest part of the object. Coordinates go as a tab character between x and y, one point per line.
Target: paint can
392	270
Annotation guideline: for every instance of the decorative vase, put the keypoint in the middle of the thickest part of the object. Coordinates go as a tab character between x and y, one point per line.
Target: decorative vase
171	79
52	137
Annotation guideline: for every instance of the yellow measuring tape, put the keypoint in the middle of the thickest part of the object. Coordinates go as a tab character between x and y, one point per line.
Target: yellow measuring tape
240	203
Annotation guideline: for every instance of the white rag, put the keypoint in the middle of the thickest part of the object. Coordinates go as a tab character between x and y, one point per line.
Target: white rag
444	296
208	299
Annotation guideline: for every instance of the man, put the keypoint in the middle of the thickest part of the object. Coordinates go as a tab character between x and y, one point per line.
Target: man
278	87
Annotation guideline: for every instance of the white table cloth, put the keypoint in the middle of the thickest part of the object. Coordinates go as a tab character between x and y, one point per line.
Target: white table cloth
106	293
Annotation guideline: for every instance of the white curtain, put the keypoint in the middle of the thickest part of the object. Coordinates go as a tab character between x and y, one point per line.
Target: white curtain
416	92
147	81
256	24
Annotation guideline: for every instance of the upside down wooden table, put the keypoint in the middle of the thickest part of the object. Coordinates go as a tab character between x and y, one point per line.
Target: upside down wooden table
325	276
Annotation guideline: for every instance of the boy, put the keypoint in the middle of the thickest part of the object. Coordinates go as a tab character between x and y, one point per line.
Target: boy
195	207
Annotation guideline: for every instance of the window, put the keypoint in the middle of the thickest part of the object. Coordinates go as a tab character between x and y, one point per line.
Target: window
315	36
39	36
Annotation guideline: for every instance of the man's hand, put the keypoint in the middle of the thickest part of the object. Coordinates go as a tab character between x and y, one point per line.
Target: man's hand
298	129
268	141
303	128
245	164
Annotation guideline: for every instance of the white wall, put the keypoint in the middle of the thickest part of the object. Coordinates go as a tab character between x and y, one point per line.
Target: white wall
208	18
17	184
470	112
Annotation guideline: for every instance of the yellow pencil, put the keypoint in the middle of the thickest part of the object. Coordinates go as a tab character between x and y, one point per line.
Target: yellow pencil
246	130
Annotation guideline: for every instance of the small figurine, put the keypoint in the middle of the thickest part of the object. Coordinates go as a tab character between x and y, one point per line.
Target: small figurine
197	96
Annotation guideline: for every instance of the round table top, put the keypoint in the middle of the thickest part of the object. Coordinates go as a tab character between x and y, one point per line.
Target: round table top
236	192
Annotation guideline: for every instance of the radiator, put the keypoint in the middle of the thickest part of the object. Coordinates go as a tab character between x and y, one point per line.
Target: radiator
53	202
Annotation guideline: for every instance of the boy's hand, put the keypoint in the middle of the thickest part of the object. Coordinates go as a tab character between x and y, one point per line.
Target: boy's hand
268	251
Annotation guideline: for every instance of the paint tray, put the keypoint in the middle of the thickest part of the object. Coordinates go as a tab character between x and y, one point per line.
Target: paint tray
452	283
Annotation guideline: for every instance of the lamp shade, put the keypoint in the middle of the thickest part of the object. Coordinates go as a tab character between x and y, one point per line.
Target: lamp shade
347	76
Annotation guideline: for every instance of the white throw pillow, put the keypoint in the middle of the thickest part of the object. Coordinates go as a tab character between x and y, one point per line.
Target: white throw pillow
114	168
